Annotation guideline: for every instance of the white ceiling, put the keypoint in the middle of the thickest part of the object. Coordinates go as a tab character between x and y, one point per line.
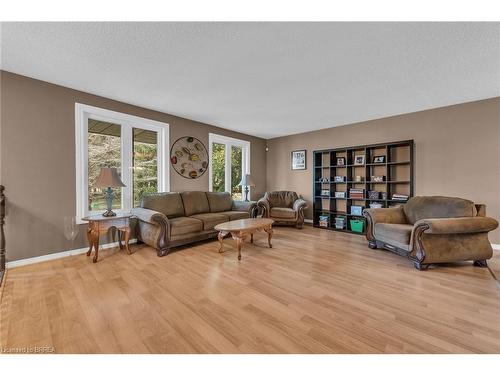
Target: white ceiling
265	79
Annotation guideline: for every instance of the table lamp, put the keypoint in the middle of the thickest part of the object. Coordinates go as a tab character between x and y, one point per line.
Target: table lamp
108	178
246	181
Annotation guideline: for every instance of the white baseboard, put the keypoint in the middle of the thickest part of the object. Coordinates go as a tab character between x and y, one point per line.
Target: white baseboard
308	221
61	254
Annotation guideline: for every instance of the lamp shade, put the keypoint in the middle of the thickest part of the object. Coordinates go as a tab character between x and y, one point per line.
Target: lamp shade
108	177
246	180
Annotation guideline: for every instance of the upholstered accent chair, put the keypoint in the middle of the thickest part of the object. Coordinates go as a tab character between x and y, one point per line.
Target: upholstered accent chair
432	230
284	207
167	220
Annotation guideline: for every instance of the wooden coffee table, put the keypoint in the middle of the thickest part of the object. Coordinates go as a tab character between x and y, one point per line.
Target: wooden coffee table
240	229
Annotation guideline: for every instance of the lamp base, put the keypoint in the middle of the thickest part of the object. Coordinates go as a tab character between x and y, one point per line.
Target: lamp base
246	194
109	213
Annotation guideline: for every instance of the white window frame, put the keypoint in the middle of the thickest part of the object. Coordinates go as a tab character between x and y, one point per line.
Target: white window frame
228	142
127	122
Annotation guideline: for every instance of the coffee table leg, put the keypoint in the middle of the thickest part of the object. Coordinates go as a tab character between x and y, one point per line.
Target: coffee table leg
239	240
221	238
269	231
251	237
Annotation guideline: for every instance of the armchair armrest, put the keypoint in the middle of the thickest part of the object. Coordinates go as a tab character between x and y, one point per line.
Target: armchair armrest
476	224
263	203
299	204
244	206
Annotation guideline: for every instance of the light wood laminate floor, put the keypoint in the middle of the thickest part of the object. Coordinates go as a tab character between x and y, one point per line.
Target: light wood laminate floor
315	291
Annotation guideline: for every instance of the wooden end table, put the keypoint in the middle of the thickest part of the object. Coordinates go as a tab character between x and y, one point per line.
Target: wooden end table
101	224
240	229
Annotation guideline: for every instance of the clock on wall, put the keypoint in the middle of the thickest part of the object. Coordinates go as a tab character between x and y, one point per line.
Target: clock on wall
189	157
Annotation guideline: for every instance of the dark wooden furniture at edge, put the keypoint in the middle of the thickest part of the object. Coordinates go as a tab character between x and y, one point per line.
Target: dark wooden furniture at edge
2	233
397	169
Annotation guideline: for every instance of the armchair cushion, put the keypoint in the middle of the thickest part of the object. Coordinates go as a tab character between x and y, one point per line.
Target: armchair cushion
281	198
283	213
394	234
169	204
219	202
195	202
458	225
183	225
432	207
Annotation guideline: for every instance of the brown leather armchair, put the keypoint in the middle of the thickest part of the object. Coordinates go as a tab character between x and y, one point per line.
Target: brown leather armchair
284	207
433	230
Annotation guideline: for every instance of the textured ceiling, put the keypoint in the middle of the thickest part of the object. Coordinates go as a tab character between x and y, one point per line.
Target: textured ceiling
264	79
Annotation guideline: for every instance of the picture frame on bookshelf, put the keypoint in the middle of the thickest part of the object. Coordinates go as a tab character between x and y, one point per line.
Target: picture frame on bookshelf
299	160
341	161
359	160
378	178
325	193
380	159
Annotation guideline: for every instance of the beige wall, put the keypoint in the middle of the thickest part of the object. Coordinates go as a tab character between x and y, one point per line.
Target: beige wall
38	160
457	151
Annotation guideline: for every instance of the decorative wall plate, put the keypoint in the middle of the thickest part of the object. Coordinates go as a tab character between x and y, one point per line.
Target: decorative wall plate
189	157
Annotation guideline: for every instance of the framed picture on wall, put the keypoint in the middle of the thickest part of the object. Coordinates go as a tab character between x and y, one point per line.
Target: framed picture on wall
299	160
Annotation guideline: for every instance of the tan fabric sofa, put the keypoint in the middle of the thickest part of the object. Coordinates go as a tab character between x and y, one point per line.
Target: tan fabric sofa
433	229
167	220
284	207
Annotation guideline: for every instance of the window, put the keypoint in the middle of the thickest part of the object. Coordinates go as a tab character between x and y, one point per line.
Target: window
229	160
136	147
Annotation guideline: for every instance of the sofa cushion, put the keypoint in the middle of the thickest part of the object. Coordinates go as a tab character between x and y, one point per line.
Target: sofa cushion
418	208
282	213
195	202
184	225
281	198
169	204
219	202
394	234
210	220
236	215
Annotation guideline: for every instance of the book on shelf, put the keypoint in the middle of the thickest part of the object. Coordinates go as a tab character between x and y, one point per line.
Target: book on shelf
357	193
400	197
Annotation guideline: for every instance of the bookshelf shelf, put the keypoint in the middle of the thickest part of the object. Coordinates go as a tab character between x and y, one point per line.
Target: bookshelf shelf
397	169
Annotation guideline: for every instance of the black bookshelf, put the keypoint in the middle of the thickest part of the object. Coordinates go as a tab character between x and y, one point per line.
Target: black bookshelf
397	170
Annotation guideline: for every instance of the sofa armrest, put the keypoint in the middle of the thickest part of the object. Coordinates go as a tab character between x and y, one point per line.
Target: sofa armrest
150	216
244	206
392	215
263	203
457	225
